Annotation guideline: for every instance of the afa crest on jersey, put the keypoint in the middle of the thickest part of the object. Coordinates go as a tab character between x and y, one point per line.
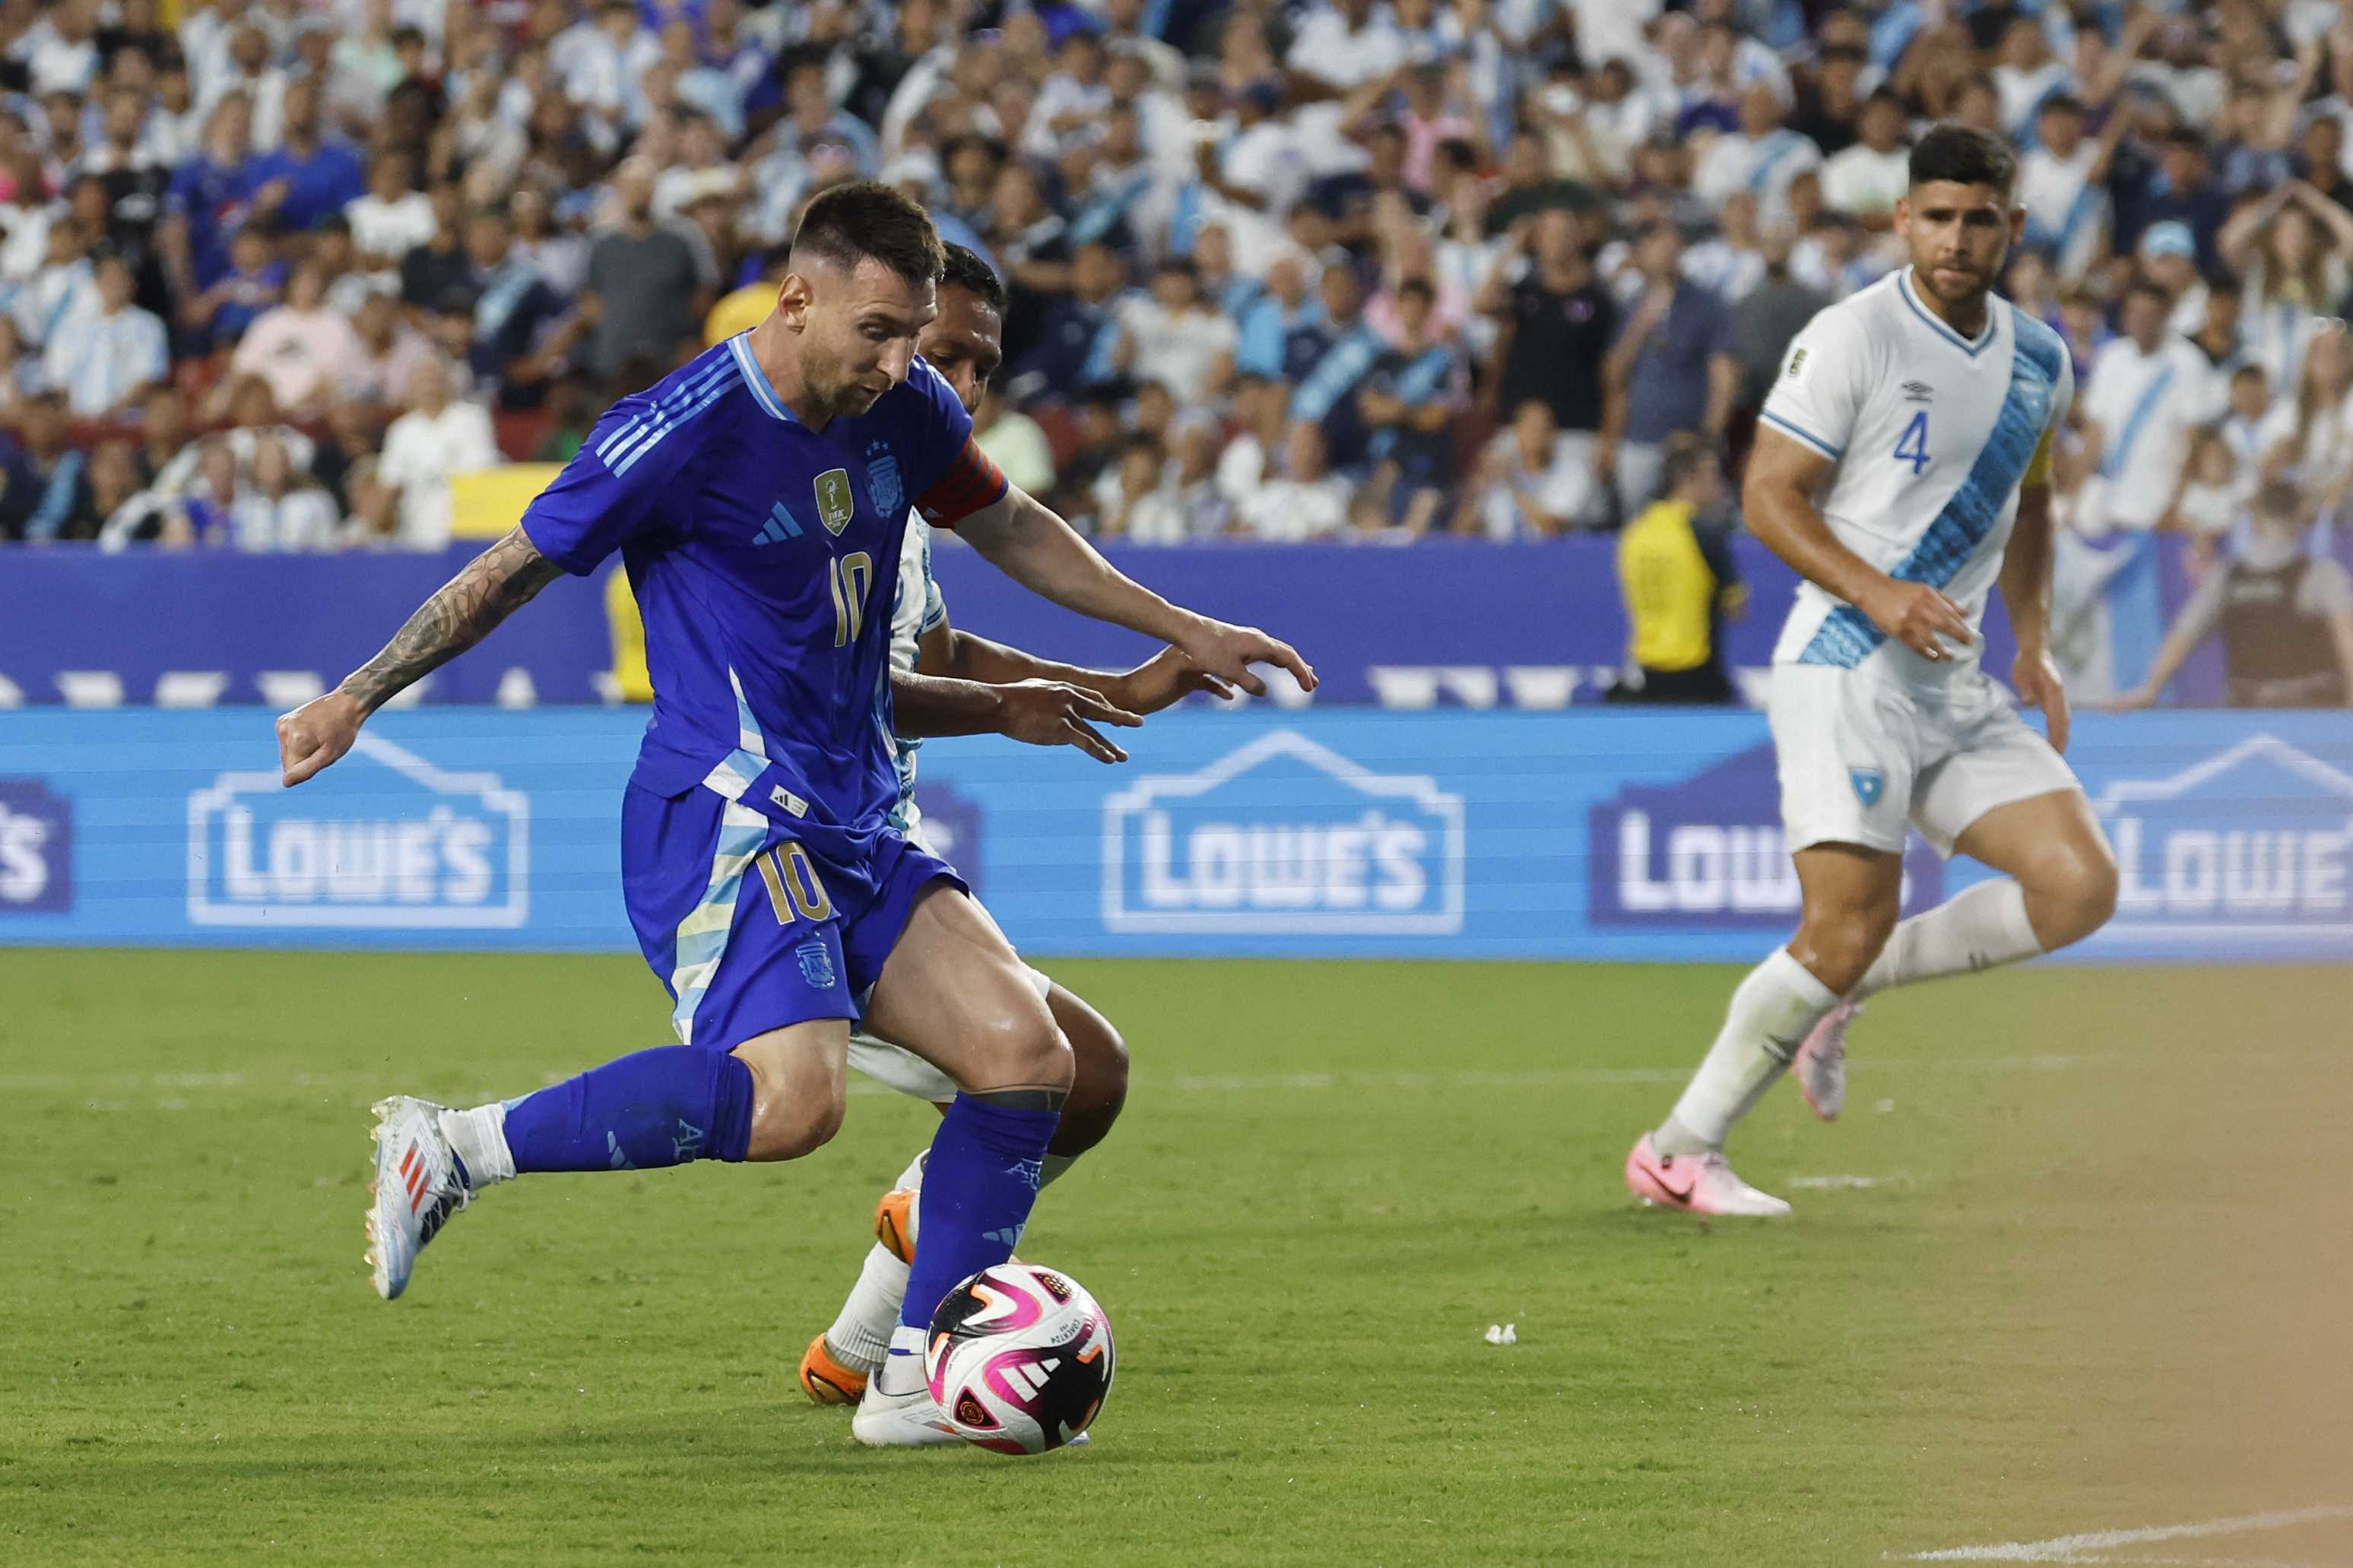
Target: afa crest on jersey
835	502
883	481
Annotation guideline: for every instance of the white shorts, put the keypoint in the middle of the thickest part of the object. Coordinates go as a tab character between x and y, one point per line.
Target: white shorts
1860	752
896	1067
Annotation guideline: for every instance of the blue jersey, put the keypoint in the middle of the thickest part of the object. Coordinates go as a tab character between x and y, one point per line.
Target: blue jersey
765	555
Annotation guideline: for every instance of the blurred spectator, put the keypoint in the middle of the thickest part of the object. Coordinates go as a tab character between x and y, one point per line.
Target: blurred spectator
2286	616
1680	582
2292	249
307	175
305	351
511	336
45	495
436	438
1284	309
20	373
1328	361
1408	403
1867	177
282	509
1014	442
2061	183
1532	481
106	357
1774	313
644	290
2147	388
255	278
390	352
393	218
1675	364
1760	157
1175	337
1305	500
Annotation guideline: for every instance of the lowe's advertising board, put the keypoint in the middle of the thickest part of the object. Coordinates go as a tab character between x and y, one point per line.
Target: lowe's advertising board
1451	834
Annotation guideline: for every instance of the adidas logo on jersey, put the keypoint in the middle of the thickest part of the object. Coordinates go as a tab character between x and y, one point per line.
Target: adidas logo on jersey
1918	392
780	527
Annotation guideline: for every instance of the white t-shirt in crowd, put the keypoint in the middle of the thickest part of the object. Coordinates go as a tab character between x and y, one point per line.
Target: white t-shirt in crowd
391	228
1292	511
1175	348
421	452
1859	180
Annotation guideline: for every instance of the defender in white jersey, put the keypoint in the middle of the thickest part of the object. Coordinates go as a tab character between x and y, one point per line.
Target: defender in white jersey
1902	465
946	681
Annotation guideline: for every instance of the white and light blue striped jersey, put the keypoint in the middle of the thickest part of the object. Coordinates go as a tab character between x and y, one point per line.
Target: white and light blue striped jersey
1931	433
917	610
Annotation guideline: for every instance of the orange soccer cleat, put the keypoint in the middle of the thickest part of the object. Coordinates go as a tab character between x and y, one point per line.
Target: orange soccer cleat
894	1223
825	1380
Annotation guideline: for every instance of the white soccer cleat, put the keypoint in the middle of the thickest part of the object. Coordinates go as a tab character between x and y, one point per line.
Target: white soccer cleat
1699	1183
416	1189
900	1420
1820	1066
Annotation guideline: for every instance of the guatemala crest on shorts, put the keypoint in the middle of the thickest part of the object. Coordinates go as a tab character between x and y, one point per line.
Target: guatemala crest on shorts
883	481
817	964
835	502
1870	784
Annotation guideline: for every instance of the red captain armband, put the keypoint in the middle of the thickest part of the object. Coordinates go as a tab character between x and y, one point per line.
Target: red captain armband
972	484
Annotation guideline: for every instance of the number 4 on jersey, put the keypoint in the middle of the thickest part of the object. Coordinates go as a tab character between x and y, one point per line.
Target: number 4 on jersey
1912	447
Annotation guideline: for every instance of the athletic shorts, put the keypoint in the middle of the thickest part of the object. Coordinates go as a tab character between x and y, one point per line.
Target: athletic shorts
748	929
896	1067
1862	752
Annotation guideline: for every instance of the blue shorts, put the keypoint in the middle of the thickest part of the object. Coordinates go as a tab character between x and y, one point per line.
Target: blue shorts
748	929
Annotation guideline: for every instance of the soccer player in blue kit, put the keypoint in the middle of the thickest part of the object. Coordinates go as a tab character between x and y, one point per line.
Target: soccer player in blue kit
759	497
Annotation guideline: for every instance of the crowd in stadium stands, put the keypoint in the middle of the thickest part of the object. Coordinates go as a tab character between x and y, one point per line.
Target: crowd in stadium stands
272	273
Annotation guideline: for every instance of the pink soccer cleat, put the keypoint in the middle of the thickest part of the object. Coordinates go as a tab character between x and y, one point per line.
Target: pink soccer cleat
1699	1183
1820	1063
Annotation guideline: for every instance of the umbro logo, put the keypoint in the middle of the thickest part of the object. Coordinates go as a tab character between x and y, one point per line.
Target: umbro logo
780	527
1918	392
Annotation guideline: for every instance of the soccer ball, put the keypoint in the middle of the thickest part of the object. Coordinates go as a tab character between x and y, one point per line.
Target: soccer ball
1019	1358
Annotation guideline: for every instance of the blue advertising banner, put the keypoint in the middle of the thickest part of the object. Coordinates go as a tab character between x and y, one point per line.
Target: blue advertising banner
1440	624
1602	834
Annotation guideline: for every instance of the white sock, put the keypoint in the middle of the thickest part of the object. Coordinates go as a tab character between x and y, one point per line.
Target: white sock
1981	927
478	1139
902	1370
860	1337
1771	1015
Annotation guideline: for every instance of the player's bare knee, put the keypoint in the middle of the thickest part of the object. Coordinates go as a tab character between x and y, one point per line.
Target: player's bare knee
1839	946
2074	897
1098	1087
793	1121
1019	1050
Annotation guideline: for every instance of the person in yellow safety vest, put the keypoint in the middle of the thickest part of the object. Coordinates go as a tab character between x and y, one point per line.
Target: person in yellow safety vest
1681	584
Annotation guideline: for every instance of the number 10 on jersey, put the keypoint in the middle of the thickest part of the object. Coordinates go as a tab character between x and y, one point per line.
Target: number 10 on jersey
1912	447
849	578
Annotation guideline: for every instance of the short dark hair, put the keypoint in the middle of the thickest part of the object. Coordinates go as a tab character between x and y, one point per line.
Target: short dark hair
966	270
866	217
1416	285
2149	287
1965	156
1685	454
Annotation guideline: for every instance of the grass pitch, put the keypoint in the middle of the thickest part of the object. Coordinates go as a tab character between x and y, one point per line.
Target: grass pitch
2073	1262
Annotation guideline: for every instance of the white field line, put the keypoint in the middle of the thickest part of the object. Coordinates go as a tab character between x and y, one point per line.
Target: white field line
2070	1548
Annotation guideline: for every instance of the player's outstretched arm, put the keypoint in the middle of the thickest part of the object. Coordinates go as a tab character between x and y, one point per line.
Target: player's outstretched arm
1778	501
1039	712
1163	679
1023	539
2026	594
461	613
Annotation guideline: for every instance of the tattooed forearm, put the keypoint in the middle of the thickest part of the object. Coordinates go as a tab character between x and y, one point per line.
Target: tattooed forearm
461	613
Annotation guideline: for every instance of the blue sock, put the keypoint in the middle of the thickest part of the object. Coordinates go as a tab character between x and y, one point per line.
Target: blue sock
978	1188
660	1107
